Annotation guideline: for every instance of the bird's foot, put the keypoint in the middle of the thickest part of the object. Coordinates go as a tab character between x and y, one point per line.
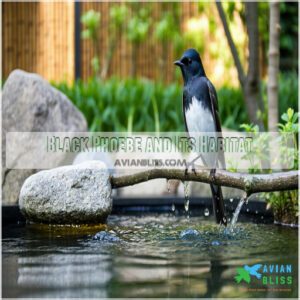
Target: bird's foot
193	167
188	165
212	174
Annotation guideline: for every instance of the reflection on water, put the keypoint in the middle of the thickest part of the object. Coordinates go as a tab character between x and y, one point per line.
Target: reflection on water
151	260
69	270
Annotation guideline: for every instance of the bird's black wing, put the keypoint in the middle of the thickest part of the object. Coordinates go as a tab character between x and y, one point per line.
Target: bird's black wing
215	113
184	118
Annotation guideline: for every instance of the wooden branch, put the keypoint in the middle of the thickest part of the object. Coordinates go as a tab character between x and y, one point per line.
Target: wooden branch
234	52
247	182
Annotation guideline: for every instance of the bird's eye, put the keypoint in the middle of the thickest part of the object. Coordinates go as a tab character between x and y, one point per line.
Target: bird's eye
185	60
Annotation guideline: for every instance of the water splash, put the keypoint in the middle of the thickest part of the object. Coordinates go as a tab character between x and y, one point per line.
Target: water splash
106	237
215	243
186	186
189	234
173	207
186	204
237	212
206	212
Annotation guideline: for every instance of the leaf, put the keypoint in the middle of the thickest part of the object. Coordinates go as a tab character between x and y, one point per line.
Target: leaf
295	117
290	113
295	127
285	117
86	34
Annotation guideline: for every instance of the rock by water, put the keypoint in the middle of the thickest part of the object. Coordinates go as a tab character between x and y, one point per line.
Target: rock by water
78	194
31	104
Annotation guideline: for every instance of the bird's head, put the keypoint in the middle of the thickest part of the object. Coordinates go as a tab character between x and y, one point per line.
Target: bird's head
190	65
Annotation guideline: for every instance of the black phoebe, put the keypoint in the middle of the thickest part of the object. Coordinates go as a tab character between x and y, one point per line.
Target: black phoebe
200	111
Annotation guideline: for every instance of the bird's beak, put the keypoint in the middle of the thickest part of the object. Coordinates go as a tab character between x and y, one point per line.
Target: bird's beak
178	63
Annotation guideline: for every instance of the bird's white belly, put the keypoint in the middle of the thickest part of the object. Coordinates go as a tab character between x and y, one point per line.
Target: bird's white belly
199	121
199	118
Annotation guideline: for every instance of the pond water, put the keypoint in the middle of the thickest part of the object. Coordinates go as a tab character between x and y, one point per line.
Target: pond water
148	256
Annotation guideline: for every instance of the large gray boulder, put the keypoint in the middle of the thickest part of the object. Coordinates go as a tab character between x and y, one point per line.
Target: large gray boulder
78	194
31	104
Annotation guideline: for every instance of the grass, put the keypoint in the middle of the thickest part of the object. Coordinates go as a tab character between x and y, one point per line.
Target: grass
144	105
127	105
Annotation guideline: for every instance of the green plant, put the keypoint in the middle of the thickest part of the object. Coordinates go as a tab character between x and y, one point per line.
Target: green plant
91	22
137	31
284	204
118	14
127	105
165	28
166	32
287	94
232	107
149	104
258	157
290	127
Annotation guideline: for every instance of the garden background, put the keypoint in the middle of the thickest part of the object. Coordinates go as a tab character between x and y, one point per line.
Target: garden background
85	48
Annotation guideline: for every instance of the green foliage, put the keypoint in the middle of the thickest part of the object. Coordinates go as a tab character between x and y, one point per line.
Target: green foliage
95	64
94	98
118	15
263	22
114	104
284	204
288	92
231	7
91	20
127	105
165	29
232	107
195	38
291	126
259	152
138	26
289	26
250	128
291	122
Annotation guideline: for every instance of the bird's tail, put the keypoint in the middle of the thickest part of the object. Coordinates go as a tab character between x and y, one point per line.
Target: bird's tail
218	204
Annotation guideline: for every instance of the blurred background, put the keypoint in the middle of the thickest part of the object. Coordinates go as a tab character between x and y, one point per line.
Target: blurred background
115	60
